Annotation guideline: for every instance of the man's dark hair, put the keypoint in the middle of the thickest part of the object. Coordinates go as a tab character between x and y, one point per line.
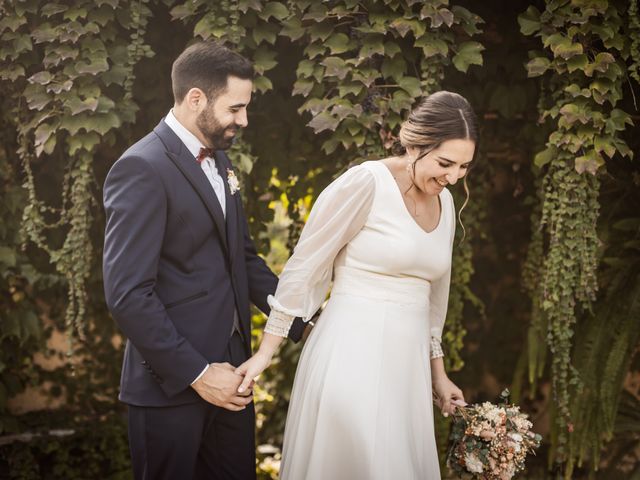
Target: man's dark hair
206	65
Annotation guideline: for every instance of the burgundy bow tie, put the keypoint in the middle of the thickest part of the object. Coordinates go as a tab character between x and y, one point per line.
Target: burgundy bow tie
204	153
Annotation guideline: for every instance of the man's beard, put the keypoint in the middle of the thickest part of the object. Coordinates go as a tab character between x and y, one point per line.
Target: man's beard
214	132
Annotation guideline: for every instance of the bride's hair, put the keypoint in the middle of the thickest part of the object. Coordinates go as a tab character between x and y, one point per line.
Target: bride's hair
437	118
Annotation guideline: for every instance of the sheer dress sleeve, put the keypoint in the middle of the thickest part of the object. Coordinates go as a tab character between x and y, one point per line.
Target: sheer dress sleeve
337	216
439	297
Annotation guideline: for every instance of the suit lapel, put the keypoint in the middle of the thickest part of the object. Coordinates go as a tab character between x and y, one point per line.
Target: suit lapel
192	171
223	164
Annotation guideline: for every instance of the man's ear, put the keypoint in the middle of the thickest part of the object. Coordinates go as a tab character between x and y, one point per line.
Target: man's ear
195	99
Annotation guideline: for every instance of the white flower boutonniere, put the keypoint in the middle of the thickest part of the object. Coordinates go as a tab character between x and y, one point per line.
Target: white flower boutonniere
234	183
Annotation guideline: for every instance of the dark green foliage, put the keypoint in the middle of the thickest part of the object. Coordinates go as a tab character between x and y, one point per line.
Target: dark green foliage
88	448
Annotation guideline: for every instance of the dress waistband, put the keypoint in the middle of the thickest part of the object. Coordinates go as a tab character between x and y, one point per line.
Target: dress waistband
400	290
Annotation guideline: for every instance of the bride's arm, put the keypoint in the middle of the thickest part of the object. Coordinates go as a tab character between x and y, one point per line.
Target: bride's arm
447	394
338	214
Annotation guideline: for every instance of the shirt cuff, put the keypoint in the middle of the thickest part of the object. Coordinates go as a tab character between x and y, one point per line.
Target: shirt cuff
201	374
278	323
436	347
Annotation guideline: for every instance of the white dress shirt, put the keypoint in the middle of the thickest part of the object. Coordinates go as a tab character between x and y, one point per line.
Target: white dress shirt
208	164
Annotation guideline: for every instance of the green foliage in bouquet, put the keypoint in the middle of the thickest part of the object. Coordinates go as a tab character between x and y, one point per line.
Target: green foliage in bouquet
491	442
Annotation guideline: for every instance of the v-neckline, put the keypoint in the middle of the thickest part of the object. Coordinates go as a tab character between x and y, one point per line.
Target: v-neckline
404	205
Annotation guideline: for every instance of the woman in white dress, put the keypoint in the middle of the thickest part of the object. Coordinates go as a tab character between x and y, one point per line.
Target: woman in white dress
361	405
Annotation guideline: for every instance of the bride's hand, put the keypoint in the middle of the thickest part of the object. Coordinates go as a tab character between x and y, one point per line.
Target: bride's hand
447	395
252	368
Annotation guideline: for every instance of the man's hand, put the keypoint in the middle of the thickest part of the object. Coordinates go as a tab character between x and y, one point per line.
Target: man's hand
219	386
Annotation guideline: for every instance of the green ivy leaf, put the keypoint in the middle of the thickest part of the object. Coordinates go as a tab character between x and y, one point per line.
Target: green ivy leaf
317	12
323	121
565	48
336	67
95	66
264	59
537	66
365	75
468	54
12	22
338	43
76	106
292	28
305	68
274	9
41	78
320	31
372	45
74	13
590	162
102	16
350	89
346	109
579	62
303	86
244	5
529	21
403	26
314	49
42	135
469	21
617	121
604	144
266	32
411	85
22	44
186	10
574	90
87	141
12	72
545	156
262	84
400	101
432	46
394	68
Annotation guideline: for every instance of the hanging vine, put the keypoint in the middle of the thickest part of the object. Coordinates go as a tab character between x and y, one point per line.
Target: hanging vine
75	93
583	60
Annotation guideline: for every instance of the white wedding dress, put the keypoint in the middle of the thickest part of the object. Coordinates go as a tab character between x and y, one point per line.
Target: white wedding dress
361	405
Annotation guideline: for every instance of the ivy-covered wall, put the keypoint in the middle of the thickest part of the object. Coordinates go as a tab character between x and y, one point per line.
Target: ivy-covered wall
545	288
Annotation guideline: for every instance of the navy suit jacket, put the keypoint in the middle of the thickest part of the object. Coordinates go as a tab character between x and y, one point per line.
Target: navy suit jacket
175	269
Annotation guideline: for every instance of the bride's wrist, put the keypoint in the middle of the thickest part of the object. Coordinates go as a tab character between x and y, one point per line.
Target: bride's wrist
265	353
437	370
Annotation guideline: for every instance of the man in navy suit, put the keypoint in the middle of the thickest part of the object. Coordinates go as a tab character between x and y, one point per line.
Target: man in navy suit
180	271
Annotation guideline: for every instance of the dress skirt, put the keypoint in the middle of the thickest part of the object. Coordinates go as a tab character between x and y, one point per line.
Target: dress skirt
361	405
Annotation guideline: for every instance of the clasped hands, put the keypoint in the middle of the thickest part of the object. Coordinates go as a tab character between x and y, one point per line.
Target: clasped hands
219	385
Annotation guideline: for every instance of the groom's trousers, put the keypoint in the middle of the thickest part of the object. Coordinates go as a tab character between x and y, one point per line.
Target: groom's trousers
196	440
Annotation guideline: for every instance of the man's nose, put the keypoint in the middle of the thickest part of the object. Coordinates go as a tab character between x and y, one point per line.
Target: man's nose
241	119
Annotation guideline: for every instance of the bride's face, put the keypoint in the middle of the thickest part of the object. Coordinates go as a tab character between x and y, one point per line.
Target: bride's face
442	166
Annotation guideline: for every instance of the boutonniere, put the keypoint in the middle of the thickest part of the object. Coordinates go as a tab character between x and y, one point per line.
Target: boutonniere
234	183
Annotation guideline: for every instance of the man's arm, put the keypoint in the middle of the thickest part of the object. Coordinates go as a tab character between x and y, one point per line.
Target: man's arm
135	206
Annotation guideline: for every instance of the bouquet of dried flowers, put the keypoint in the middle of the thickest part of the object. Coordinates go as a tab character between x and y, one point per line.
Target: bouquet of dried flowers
491	442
